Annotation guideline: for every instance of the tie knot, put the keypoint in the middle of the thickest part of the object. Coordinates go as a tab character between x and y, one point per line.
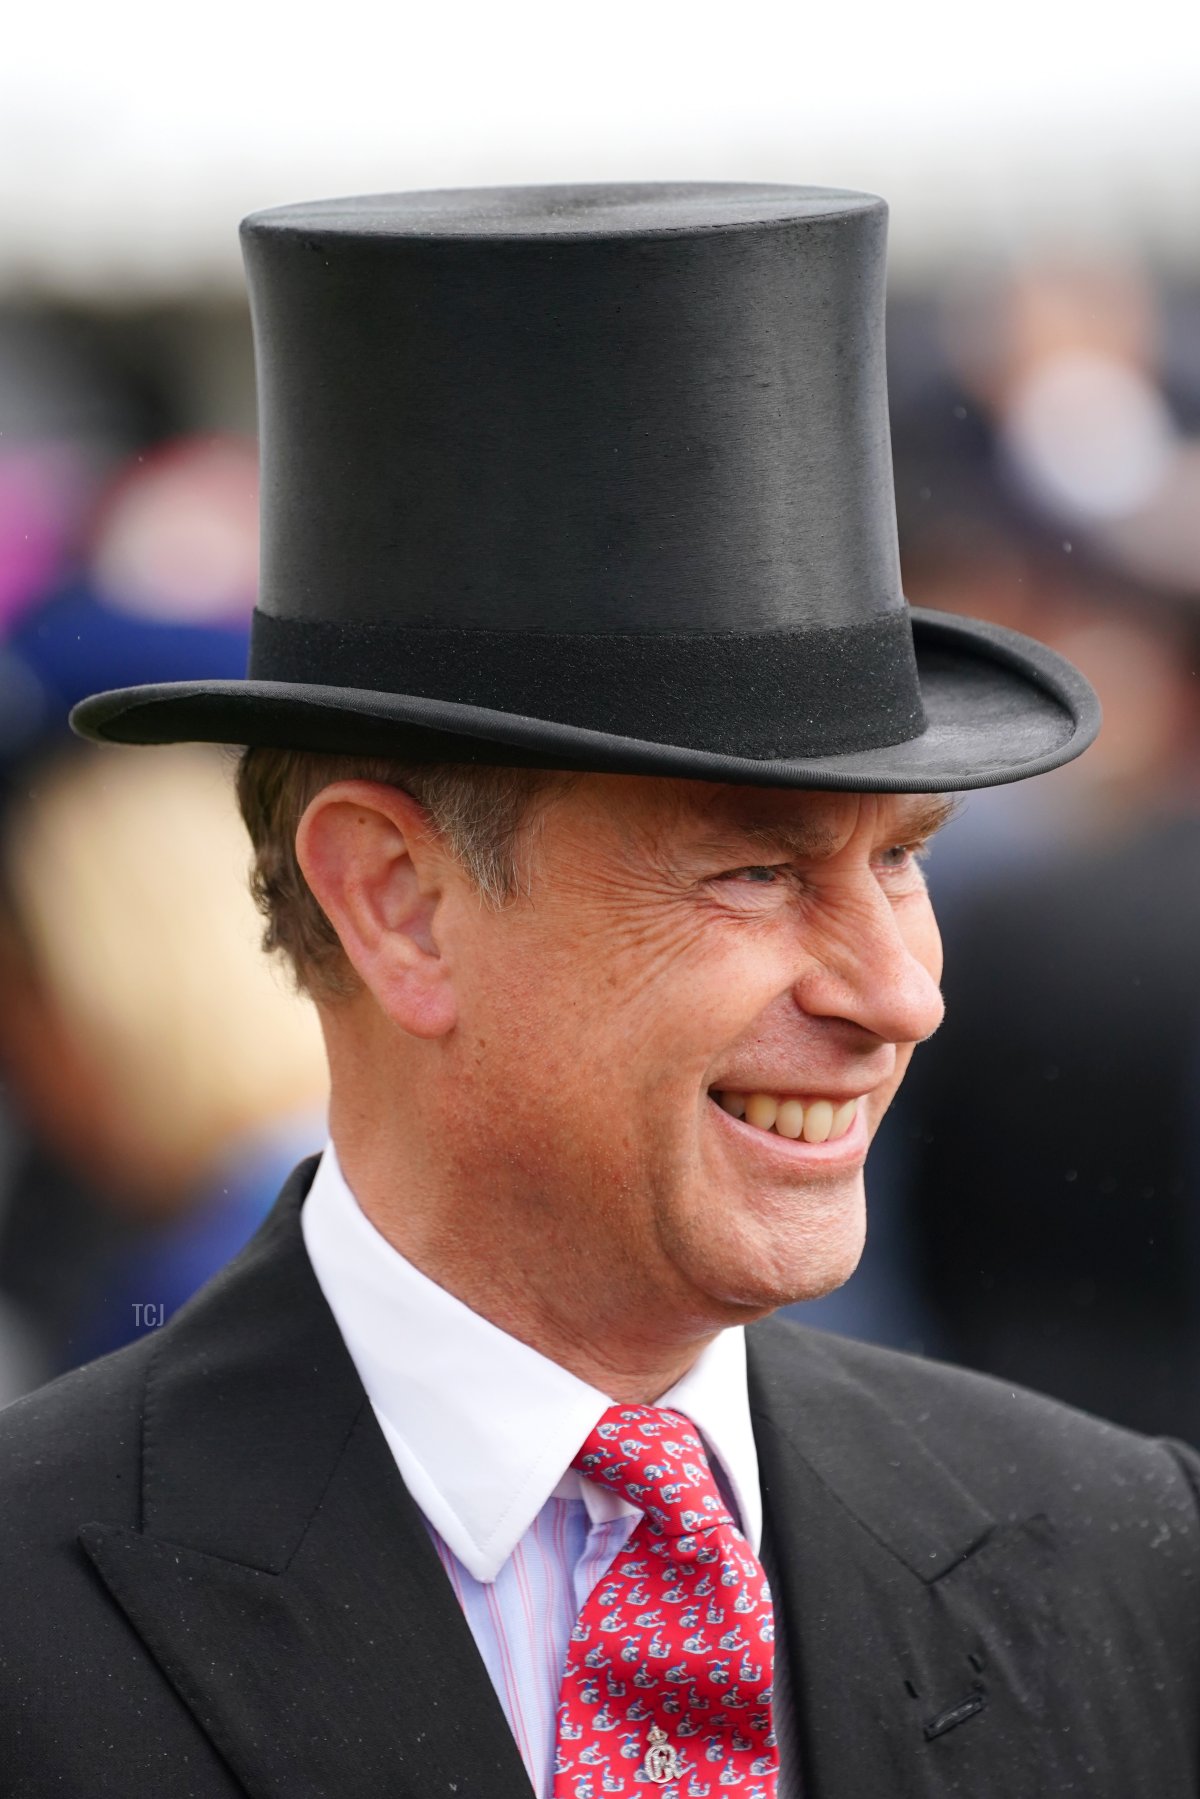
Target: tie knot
655	1459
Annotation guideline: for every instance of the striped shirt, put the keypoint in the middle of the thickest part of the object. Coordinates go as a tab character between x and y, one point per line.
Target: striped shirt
522	1620
483	1429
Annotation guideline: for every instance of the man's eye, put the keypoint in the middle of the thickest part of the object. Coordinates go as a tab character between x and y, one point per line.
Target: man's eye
902	855
760	873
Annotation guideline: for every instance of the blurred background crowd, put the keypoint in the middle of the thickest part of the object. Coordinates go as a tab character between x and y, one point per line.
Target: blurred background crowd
1035	1193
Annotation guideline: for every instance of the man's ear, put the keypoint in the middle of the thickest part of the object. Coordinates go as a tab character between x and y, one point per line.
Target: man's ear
373	860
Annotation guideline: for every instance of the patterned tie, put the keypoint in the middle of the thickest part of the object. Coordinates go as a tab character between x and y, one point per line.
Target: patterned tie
670	1664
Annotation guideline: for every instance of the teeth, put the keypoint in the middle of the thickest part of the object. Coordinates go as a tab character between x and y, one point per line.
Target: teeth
844	1117
761	1110
789	1120
816	1120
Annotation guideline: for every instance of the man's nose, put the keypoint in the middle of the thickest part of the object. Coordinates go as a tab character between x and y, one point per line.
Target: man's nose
878	968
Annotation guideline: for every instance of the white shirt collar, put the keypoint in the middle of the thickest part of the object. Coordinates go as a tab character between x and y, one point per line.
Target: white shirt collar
484	1428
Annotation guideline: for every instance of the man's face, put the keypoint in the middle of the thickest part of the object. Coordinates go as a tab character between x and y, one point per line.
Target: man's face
683	946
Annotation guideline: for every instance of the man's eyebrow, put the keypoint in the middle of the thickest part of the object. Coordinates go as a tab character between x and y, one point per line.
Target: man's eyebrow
793	837
922	815
917	817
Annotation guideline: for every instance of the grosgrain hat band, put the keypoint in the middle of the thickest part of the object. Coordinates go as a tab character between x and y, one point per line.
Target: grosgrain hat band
817	691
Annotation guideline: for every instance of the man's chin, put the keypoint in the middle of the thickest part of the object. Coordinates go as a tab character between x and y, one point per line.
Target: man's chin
768	1263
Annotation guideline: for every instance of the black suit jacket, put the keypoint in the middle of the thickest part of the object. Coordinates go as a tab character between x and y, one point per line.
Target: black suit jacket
214	1583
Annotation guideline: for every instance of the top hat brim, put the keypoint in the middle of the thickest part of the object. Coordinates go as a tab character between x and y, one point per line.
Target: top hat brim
999	707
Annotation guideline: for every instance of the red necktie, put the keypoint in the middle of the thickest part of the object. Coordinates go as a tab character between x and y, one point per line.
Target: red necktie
670	1664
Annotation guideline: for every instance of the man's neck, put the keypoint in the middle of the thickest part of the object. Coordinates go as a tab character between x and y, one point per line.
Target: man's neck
557	1308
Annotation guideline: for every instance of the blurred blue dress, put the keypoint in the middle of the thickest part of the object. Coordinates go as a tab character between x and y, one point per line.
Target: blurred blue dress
140	1285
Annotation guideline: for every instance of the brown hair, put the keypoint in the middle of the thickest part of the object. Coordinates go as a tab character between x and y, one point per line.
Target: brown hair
480	812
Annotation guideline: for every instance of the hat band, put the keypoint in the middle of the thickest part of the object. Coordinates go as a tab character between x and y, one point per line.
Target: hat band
818	691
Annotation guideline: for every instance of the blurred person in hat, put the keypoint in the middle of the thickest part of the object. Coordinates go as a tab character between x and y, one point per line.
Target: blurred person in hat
1073	960
590	750
70	418
168	1127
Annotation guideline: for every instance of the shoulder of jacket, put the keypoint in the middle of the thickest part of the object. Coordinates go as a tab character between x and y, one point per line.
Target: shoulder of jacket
1017	1450
76	1438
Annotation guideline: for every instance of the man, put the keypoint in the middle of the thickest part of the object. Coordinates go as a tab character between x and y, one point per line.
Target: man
592	752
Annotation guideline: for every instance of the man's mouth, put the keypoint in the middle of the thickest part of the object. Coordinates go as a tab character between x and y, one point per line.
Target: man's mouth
814	1120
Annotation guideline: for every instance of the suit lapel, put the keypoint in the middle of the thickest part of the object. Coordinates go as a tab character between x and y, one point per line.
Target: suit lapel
282	1575
916	1625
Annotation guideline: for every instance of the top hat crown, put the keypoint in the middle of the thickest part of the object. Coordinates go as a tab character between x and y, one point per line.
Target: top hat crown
598	477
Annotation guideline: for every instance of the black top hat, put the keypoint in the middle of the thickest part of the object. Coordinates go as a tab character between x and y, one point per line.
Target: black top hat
598	477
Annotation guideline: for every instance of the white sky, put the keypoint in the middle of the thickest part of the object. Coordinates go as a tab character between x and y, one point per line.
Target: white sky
134	135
